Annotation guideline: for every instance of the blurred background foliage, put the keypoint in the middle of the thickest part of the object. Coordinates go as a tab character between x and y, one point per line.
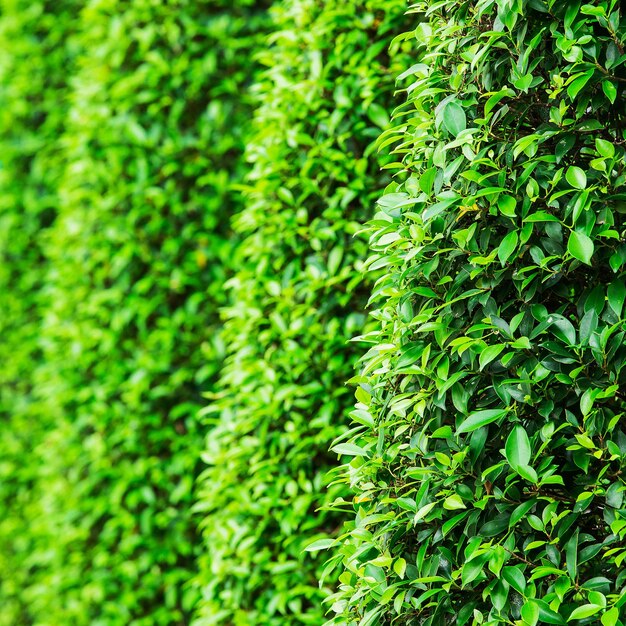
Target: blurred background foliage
296	298
123	129
181	188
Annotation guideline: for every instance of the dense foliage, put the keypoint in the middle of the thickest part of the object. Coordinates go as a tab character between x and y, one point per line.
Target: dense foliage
35	54
489	448
136	262
296	299
183	262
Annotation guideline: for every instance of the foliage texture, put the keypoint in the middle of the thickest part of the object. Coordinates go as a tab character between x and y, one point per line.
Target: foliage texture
489	444
295	301
35	53
136	259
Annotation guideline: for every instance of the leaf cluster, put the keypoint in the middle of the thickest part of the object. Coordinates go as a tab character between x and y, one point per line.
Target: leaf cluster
141	108
488	446
295	300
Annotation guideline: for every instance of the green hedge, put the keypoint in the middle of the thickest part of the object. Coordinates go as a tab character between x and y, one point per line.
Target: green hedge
295	301
35	57
490	445
136	265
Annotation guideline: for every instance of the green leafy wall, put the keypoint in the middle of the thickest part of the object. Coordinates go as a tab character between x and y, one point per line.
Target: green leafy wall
488	457
296	299
36	54
136	259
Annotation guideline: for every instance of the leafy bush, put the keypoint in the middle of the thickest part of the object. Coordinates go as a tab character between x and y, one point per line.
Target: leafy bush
489	447
136	259
295	301
35	43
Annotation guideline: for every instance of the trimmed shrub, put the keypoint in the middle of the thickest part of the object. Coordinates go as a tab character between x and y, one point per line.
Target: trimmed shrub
295	301
489	451
35	55
136	260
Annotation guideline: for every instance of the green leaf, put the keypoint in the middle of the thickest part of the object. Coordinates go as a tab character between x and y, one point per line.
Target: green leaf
610	617
595	597
371	617
610	90
584	611
616	295
489	354
541	216
563	329
578	83
520	512
507	247
451	523
496	97
571	556
580	247
507	205
349	449
527	473
586	402
399	567
479	419
547	615
410	354
588	325
424	511
320	544
454	120
605	148
517	448
515	578
378	115
530	613
576	177
454	502
427	180
473	569
444	432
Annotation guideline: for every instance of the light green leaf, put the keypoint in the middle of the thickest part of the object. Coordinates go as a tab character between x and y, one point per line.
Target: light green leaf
454	120
507	205
541	216
424	511
489	354
576	177
610	617
605	148
349	449
580	247
588	325
517	448
454	502
320	544
528	473
496	97
579	83
571	556
399	567
610	90
520	512
378	115
547	615
616	294
479	419
530	613
507	247
515	578
584	611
